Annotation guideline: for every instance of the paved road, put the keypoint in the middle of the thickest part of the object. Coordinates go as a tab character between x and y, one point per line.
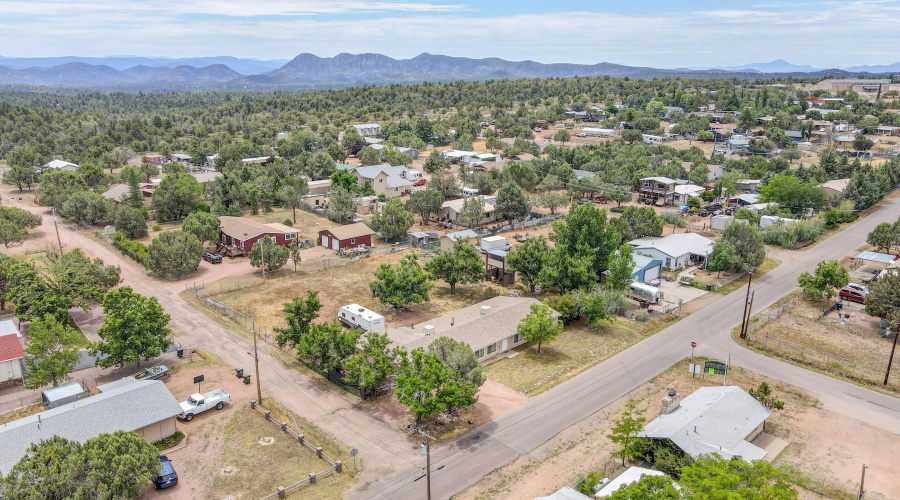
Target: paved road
466	461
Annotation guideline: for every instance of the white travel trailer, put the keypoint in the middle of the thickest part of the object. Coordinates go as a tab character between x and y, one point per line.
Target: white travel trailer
644	293
357	316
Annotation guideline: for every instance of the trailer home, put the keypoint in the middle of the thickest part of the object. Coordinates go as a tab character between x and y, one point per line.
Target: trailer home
357	316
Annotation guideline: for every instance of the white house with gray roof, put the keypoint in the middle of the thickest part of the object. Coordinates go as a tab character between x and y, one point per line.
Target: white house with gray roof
676	250
718	419
145	407
385	179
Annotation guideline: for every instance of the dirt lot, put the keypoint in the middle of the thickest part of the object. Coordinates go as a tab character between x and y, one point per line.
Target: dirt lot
852	350
821	442
219	439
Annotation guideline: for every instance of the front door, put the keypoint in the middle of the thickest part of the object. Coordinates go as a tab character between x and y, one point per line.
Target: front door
505	346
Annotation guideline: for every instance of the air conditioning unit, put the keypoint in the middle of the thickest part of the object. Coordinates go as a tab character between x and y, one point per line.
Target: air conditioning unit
485	310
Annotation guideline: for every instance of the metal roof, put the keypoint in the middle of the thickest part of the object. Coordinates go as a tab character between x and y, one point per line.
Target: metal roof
631	475
565	493
883	258
676	245
8	327
713	420
124	406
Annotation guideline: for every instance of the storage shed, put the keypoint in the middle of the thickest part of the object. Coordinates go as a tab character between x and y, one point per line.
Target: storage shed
350	235
11	353
62	394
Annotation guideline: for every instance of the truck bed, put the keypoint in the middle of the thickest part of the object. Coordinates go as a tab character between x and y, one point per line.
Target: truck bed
216	394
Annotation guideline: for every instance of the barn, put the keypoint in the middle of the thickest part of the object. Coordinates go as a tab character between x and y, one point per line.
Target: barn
350	235
238	234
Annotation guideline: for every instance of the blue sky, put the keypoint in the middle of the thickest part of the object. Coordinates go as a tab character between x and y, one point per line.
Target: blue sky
688	33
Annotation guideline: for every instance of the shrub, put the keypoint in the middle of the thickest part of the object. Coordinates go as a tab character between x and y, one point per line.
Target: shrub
288	222
789	236
135	249
156	227
641	316
673	218
566	306
834	218
617	210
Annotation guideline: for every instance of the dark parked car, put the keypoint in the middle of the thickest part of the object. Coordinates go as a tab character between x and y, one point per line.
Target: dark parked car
212	258
853	295
167	476
712	206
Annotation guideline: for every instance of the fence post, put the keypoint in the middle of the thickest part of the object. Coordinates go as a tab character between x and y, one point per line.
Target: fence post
300	439
281	492
312	478
284	427
319	452
268	415
252	404
339	466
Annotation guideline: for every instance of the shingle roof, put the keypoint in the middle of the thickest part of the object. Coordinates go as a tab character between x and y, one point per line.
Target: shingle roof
713	420
123	406
469	325
61	164
676	245
395	174
243	228
10	348
463	235
349	231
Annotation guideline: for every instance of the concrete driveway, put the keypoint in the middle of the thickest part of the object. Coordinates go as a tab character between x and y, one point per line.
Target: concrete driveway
672	291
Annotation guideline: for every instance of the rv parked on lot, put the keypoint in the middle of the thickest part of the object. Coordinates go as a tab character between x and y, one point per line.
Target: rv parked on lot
644	293
357	316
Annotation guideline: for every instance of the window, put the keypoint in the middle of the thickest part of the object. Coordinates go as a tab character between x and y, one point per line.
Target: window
395	190
669	263
352	241
517	338
290	236
491	349
479	353
380	180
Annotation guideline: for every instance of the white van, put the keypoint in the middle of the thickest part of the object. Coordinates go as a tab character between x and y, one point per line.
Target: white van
644	293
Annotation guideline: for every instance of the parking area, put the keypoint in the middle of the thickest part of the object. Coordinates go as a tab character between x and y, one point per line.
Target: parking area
672	292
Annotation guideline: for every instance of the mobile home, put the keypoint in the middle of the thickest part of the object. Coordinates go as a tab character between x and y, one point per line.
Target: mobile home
357	316
644	293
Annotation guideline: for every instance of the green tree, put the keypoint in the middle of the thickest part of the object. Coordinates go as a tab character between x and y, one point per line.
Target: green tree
639	222
520	174
619	194
562	136
9	277
135	197
295	188
328	345
57	186
402	285
374	363
425	203
459	359
649	488
267	252
176	197
459	266
717	478
49	471
539	325
19	176
76	278
883	299
14	225
351	136
882	237
300	314
593	306
484	183
792	192
621	268
174	254
294	251
203	225
436	161
632	135
419	379
624	431
472	211
862	143
444	183
828	276
52	352
89	207
764	395
511	202
586	232
344	179
130	222
120	464
368	156
134	328
722	257
341	203
528	259
748	245
393	221
553	200
567	270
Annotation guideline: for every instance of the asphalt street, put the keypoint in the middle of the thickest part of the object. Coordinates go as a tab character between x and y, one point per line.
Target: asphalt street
464	462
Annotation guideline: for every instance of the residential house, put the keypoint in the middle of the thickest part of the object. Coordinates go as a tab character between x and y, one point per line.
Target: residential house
451	209
180	157
118	192
854	85
346	236
835	188
450	239
646	269
657	190
886	130
145	407
155	159
259	160
205	177
794	135
719	419
523	157
237	235
385	179
488	327
747	185
844	141
11	354
742	200
321	187
598	132
676	250
737	143
631	475
379	148
211	160
62	165
715	171
652	139
368	129
683	192
565	493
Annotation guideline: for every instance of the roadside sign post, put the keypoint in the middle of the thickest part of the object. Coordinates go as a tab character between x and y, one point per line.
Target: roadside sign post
693	345
197	380
353	454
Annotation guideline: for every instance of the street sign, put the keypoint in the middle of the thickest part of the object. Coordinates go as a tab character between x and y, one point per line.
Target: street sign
198	379
694	368
693	344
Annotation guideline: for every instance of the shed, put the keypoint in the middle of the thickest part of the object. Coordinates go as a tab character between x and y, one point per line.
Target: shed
646	268
11	353
420	238
450	239
349	235
62	394
880	258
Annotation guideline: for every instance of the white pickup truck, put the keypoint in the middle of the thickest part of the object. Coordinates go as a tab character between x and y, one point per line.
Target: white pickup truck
199	403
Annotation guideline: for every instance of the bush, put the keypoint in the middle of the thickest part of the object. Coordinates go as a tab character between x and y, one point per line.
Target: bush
157	227
202	207
592	479
138	251
641	316
288	222
789	236
566	306
168	442
673	218
834	218
617	210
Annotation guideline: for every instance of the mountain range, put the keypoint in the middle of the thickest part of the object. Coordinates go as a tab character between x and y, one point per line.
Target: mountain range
310	71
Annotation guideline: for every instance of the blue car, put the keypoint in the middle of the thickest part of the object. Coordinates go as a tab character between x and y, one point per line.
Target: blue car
167	476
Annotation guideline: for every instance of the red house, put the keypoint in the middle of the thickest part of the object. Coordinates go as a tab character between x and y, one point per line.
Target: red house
237	235
351	235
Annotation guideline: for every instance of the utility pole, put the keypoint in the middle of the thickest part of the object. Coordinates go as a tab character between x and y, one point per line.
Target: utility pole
862	480
891	360
256	364
58	241
425	449
746	303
